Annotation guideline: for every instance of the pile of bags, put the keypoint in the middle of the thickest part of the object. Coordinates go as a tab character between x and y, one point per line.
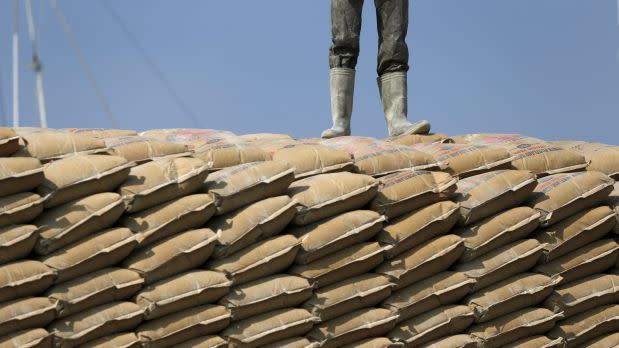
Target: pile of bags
202	238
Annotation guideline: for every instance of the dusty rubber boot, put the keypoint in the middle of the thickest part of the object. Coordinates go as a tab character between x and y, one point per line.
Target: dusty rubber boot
342	85
393	95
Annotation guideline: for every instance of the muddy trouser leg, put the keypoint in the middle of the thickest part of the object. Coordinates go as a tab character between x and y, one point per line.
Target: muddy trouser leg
345	31
392	21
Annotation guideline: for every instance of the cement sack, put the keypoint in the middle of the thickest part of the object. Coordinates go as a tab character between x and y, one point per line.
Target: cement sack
159	181
239	229
418	226
94	289
119	340
141	149
182	291
173	329
204	342
463	160
20	208
259	260
271	146
309	159
601	157
575	232
100	133
423	261
497	230
537	341
26	313
510	295
80	176
186	135
328	236
486	194
360	324
613	202
533	154
588	260
95	322
222	153
93	253
502	263
604	341
326	195
402	192
244	184
346	263
34	338
588	325
16	242
437	323
562	195
19	174
76	220
584	294
348	295
168	219
439	290
9	142
263	136
24	278
453	341
172	255
267	328
266	294
49	146
514	326
412	139
294	342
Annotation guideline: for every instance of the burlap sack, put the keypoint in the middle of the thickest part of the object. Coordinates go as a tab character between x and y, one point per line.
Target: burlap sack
601	157
20	208
119	340
224	152
575	232
418	226
73	221
95	322
537	342
497	230
34	338
242	227
172	255
263	136
170	218
259	260
24	278
604	341
9	141
142	149
204	342
442	289
26	313
80	176
17	241
437	323
309	159
402	192
19	174
331	235
368	322
159	181
562	195
266	294
179	327
588	325
92	253
584	294
464	160
346	263
423	261
326	195
267	328
100	133
182	291
348	295
486	194
502	263
247	183
412	139
512	294
453	341
514	326
94	289
185	135
48	146
613	202
590	259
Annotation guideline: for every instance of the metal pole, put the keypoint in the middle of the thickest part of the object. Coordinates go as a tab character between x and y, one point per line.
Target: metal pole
36	65
15	63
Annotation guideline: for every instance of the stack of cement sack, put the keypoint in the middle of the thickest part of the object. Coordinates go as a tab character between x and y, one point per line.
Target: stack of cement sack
201	238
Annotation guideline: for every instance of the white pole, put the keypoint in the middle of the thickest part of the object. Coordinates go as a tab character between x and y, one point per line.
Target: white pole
36	65
15	63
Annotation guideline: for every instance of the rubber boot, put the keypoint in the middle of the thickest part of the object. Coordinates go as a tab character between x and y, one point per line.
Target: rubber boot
342	85
393	95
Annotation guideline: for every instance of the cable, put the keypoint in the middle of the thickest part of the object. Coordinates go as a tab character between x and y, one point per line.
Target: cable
84	64
151	64
36	65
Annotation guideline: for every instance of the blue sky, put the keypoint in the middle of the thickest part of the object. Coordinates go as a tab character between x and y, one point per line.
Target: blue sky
545	68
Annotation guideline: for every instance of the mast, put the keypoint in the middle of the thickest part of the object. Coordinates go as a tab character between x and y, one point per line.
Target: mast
36	65
15	63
